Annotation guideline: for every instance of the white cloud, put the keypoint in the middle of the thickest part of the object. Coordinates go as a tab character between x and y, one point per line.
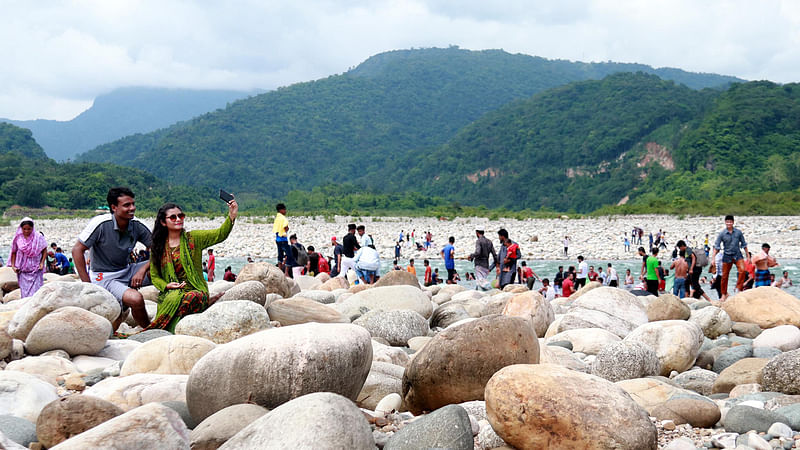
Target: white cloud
59	55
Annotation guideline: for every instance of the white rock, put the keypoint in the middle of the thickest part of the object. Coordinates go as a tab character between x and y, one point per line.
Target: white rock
72	329
48	368
388	298
24	395
389	403
611	309
136	390
168	355
676	343
783	337
397	327
118	349
88	363
226	321
712	320
586	340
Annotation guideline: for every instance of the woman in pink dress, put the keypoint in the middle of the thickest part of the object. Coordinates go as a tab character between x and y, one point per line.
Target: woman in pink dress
28	253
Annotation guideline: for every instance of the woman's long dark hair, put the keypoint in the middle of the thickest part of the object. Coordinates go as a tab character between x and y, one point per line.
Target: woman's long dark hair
160	233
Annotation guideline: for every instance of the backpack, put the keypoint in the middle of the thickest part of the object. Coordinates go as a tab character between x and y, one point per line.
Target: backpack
301	255
700	257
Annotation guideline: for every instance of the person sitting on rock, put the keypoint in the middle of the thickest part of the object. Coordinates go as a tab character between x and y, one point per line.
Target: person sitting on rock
176	264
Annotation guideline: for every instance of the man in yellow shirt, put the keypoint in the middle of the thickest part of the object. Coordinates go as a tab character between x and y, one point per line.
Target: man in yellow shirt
280	227
411	268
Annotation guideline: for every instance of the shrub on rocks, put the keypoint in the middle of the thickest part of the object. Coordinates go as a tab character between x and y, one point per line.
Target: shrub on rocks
274	366
224	424
397	327
299	310
667	307
765	306
676	343
625	360
168	355
270	276
782	373
298	424
150	426
68	416
531	306
712	320
252	290
457	363
24	395
136	390
548	406
225	322
611	309
447	427
72	329
53	296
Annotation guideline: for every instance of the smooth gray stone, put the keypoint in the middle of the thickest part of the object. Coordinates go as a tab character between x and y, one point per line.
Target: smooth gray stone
19	430
766	352
791	412
741	419
149	335
447	427
730	356
566	344
183	411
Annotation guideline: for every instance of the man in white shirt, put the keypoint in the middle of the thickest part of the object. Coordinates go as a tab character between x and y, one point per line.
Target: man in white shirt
612	277
547	291
367	262
583	272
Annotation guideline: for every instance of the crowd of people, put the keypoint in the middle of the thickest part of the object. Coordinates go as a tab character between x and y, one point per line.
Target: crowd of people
173	261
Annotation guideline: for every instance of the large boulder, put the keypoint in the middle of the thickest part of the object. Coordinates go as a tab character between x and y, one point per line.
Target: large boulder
297	310
274	281
744	371
298	424
676	343
149	426
447	314
765	306
457	363
712	320
398	278
168	355
448	427
72	329
20	431
24	395
387	298
307	282
553	354
586	340
697	380
667	402
743	418
274	366
226	321
334	283
211	433
68	416
397	327
8	280
548	406
611	309
782	373
136	390
55	295
46	367
532	307
625	360
252	290
783	337
667	307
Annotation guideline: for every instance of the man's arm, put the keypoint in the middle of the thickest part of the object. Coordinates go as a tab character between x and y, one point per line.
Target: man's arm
80	262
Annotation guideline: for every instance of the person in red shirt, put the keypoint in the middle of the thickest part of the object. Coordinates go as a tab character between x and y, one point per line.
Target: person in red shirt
592	275
751	273
428	280
212	264
567	285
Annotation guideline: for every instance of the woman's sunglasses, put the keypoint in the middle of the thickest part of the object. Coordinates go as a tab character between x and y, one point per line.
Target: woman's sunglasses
175	217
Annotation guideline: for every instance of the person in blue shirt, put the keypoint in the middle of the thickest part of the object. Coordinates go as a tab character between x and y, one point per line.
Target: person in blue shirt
448	253
62	262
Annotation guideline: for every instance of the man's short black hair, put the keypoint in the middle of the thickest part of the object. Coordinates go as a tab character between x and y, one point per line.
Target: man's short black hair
580	257
227	268
545	281
211	250
58	249
279	207
502	232
115	193
411	261
681	243
641	249
523	264
360	227
351	226
310	248
729	217
765	245
294	236
426	262
654	250
451	239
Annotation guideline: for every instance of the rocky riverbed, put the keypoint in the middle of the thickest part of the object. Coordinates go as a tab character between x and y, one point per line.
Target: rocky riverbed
594	238
316	363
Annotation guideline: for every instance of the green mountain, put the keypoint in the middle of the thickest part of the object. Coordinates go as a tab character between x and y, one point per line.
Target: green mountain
29	178
395	106
123	112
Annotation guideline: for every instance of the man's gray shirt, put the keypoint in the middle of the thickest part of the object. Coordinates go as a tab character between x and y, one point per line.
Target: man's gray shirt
483	248
732	241
110	246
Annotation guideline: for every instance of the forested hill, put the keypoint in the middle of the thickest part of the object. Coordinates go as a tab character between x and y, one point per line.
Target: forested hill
29	178
349	127
630	138
123	112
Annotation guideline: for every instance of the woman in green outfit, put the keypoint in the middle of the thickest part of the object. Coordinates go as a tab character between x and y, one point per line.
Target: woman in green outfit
176	264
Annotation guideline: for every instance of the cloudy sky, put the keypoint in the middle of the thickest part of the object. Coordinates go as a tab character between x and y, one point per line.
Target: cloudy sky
58	55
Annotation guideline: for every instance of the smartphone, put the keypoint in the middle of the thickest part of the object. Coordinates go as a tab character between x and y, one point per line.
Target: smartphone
226	197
